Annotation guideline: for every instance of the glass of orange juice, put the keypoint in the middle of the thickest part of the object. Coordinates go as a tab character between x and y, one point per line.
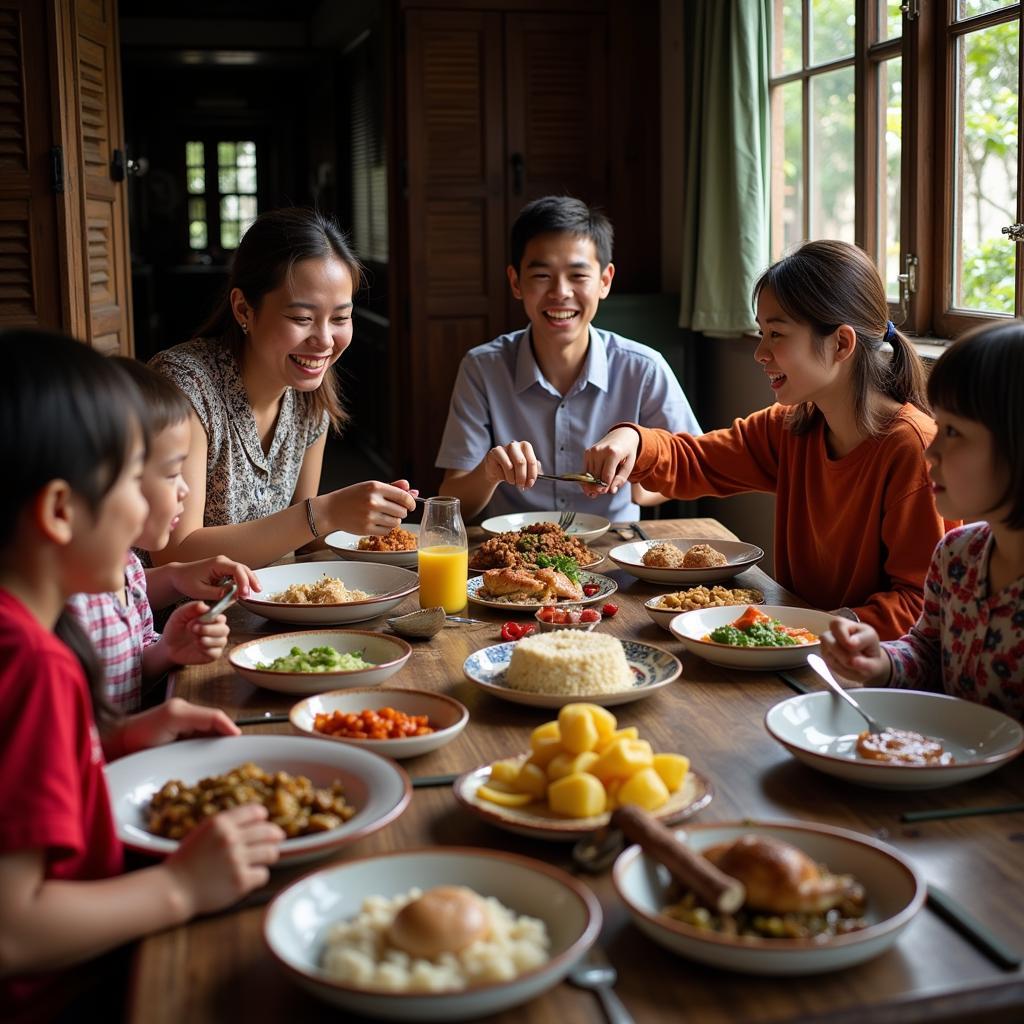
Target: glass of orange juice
443	555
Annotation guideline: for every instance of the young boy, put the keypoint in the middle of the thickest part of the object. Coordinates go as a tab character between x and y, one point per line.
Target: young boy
120	625
526	402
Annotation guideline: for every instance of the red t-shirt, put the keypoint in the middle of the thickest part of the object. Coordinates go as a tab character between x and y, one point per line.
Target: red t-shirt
51	762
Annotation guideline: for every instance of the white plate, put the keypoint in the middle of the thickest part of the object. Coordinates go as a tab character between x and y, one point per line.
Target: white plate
375	786
664	616
297	922
447	717
538	822
691	626
389	585
652	668
740	555
607	585
821	730
586	525
895	893
346	545
386	653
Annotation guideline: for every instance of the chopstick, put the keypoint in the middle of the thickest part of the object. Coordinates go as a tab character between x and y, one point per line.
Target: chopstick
960	812
943	905
267	719
794	684
638	530
423	781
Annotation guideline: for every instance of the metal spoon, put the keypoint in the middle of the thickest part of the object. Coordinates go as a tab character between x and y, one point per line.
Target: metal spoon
819	666
596	852
596	974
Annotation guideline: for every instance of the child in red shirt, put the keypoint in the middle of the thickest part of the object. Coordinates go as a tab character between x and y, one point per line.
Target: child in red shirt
71	507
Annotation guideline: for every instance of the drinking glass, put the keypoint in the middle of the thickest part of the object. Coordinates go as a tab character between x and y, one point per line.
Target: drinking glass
443	555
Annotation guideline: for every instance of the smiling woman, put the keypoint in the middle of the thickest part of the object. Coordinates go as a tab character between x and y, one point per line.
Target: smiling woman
260	379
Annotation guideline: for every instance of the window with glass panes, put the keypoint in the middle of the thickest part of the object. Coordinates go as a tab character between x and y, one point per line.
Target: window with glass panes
221	180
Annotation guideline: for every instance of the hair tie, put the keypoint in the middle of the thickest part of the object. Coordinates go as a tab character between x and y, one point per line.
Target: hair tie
890	331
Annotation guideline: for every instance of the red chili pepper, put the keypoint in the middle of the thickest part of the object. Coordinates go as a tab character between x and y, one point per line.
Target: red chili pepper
511	631
526	630
609	610
590	589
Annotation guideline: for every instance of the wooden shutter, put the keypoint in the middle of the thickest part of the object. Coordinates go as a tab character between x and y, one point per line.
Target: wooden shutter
30	292
98	242
455	212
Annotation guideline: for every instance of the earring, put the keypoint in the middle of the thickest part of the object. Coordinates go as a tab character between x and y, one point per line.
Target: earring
244	326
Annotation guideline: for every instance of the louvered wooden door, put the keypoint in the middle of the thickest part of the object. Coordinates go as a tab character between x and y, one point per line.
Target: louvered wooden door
94	112
500	108
30	266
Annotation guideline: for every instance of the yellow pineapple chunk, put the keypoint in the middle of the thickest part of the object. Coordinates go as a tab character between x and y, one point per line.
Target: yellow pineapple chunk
532	780
646	789
502	799
545	743
672	768
506	770
611	791
577	796
622	759
630	732
565	764
605	721
577	729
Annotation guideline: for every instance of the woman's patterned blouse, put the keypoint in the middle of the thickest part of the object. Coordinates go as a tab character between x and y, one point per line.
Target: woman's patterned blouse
242	482
967	642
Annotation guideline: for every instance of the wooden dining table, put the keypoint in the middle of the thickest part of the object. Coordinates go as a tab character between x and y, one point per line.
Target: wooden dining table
218	968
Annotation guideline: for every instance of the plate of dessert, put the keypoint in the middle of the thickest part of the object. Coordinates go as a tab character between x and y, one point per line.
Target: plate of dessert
529	589
549	670
685	561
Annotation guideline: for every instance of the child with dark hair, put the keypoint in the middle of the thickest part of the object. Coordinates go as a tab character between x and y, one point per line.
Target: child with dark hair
70	508
842	448
260	379
524	403
120	624
969	640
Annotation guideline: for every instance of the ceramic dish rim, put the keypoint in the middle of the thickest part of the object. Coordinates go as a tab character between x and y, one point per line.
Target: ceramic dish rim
890	765
459	724
537	605
594	918
756	944
331	673
714	645
554	514
363	551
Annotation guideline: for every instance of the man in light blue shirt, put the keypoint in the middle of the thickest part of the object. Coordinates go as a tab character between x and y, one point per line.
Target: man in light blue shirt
529	402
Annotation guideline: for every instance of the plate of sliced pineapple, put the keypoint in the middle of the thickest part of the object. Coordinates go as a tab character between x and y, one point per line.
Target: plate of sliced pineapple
579	768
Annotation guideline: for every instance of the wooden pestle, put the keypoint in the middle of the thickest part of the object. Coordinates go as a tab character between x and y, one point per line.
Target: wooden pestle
715	889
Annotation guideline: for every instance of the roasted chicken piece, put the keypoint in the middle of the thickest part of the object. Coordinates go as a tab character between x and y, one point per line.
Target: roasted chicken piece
781	879
560	584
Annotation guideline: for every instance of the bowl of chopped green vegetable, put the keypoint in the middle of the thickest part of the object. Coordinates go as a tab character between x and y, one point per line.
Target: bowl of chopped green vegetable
756	638
314	662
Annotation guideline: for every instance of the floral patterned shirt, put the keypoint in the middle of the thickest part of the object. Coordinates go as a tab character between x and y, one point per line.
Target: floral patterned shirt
243	483
967	642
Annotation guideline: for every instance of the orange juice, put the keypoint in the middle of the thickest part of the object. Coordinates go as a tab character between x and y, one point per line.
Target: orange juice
444	570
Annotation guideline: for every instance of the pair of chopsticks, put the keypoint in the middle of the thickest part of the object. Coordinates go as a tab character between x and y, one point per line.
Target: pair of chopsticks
961	812
956	916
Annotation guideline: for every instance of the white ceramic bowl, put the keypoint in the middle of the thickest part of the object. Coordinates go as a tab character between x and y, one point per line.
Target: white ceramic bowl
389	585
299	919
653	668
537	821
346	545
375	786
664	616
386	653
740	555
447	717
689	627
895	893
586	525
580	627
821	730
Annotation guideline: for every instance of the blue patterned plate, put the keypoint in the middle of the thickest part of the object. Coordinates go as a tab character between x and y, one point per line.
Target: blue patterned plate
606	585
652	669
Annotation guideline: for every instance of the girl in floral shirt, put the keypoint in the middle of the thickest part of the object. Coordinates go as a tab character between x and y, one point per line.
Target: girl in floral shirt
969	641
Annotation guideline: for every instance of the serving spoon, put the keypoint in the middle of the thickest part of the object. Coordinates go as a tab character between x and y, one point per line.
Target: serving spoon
817	663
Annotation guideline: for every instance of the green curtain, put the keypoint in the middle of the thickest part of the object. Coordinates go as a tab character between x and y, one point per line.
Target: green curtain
725	211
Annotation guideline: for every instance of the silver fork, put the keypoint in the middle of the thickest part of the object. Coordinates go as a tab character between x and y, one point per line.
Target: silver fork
566	519
598	975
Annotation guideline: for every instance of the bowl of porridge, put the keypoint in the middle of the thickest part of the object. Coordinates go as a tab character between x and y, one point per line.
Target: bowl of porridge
438	934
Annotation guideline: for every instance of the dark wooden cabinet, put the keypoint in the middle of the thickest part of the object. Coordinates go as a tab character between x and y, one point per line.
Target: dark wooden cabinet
498	107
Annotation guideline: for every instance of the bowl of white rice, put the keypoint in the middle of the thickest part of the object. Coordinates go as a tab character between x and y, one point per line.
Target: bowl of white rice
334	932
570	662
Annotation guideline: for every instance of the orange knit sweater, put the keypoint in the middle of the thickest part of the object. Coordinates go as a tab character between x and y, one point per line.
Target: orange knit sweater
857	531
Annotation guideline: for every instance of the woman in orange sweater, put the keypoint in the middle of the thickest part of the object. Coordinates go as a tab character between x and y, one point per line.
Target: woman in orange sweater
842	448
